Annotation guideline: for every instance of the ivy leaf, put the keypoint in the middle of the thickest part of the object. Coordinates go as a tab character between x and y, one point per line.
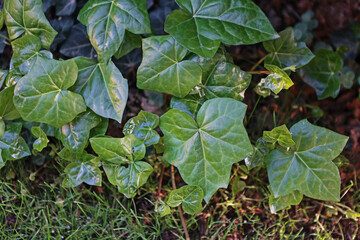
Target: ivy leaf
131	41
2	128
204	150
3	74
65	7
7	107
101	128
261	89
308	168
279	134
190	197
83	171
107	20
119	150
13	146
279	203
237	186
190	104
103	87
201	25
162	208
322	73
47	129
41	141
128	179
2	19
41	95
27	16
142	127
26	51
257	158
75	135
163	68
278	79
286	52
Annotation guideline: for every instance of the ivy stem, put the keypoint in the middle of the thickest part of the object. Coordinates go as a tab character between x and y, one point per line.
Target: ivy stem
259	72
258	63
160	180
187	236
253	110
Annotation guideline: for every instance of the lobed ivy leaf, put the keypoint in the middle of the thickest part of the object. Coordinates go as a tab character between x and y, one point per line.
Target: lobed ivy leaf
42	95
41	142
308	167
204	149
278	79
190	198
26	51
322	73
142	127
201	25
190	104
27	17
286	52
279	134
279	203
7	107
119	150
103	87
107	20
130	42
75	134
164	69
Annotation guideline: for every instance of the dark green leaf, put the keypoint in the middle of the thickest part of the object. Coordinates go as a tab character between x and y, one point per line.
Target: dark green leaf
257	157
163	68
107	20
190	104
79	172
101	128
7	107
237	186
279	203
307	168
190	197
65	7
279	134
204	150
202	25
42	95
131	41
103	87
278	79
27	17
63	26
41	142
286	52
322	73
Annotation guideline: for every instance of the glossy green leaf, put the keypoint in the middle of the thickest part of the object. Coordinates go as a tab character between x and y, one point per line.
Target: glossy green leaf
85	171
47	129
3	75
278	79
107	20
190	198
75	134
119	150
163	68
12	145
41	142
7	107
12	79
131	41
42	95
279	203
308	167
261	89
279	134
285	51
2	128
190	104
27	17
322	73
161	208
101	128
201	25
142	127
103	87
204	150
26	50
257	157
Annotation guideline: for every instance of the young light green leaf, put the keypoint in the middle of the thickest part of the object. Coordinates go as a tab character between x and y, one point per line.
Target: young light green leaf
107	20
308	168
202	25
204	150
26	51
103	87
47	129
27	17
322	73
42	95
41	142
142	127
190	198
7	107
119	150
237	186
279	134
285	51
162	208
128	179
278	79
163	68
79	172
131	41
75	134
261	89
190	104
279	203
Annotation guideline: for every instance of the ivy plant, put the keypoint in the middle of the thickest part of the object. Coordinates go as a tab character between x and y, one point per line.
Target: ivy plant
70	99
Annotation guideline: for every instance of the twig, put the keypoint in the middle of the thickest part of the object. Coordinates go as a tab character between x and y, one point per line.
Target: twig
258	63
187	236
259	72
161	179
